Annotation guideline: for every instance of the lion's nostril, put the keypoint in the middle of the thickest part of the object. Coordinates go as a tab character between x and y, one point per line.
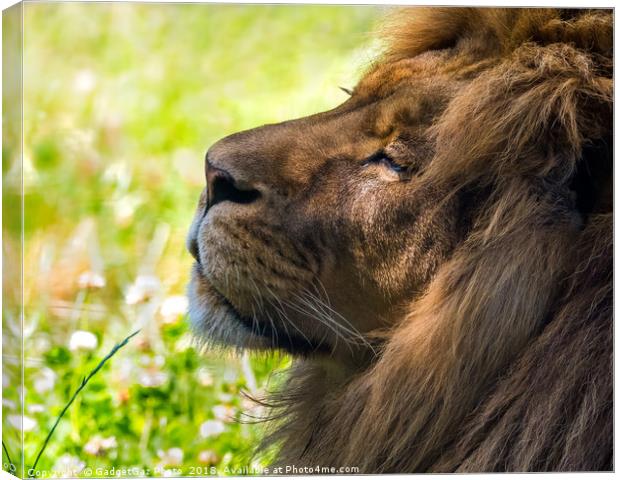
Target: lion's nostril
221	186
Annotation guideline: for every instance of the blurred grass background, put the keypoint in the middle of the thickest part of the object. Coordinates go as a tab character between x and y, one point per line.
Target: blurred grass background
121	102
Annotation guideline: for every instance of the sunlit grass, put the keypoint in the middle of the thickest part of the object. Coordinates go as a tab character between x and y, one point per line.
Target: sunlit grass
121	102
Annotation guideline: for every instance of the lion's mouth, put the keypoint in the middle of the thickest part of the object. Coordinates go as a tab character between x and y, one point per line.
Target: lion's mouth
283	340
272	335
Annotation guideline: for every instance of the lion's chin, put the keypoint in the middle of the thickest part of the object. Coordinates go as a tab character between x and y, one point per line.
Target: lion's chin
216	322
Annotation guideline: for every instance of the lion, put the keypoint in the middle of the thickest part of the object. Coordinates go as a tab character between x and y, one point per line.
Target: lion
435	253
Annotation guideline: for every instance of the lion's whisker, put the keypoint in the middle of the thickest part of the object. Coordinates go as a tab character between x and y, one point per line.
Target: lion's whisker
353	332
284	316
324	319
281	318
300	309
255	321
327	305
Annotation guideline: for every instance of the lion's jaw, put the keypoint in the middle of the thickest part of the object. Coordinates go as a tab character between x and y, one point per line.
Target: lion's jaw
312	240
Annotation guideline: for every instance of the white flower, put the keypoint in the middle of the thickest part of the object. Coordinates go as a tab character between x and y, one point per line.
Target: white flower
208	457
10	404
185	342
251	407
225	397
211	428
29	172
84	81
150	374
27	425
204	377
230	375
82	340
123	370
118	173
45	379
171	457
90	279
224	413
125	207
173	307
151	361
36	408
67	466
143	289
98	445
152	378
40	344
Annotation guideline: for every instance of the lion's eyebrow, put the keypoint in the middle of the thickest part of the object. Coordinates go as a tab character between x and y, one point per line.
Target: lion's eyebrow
348	91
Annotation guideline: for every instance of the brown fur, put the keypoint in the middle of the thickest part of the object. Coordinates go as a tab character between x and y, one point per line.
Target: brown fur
483	281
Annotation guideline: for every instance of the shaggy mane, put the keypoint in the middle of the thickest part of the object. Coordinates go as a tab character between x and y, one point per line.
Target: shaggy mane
412	31
505	362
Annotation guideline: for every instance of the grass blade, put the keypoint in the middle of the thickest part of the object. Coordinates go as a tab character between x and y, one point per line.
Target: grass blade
93	372
12	466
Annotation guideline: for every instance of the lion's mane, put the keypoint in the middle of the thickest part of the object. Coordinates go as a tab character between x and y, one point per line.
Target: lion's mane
505	362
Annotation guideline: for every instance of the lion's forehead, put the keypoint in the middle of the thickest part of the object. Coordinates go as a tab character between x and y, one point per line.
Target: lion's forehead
386	77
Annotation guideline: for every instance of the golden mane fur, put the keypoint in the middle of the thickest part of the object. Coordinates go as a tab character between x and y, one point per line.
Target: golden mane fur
504	363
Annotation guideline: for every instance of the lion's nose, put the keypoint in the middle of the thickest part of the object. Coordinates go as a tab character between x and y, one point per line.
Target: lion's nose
221	187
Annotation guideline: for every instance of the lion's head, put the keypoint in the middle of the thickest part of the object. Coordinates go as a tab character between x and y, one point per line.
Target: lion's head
412	244
314	232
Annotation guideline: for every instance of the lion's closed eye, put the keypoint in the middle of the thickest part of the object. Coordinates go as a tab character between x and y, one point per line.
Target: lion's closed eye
398	169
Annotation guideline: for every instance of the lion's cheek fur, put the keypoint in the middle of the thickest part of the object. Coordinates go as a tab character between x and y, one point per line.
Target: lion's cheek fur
393	236
442	357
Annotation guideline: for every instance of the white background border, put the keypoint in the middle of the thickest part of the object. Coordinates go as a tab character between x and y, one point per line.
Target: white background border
523	3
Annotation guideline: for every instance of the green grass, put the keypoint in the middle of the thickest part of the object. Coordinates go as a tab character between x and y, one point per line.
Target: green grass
121	102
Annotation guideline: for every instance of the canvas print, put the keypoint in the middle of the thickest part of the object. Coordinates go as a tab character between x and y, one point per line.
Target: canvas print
306	239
